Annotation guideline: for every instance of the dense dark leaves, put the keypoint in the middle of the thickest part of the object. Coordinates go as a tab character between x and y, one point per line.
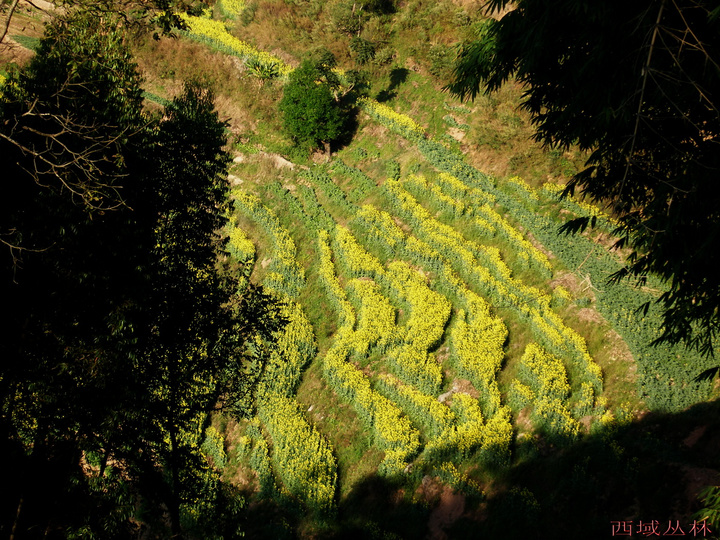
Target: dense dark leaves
638	85
119	332
311	114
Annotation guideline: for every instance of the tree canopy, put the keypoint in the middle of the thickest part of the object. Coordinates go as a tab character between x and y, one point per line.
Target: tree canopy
637	85
120	332
312	116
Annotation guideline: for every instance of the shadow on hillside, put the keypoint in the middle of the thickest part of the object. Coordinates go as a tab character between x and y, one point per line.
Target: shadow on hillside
651	469
397	77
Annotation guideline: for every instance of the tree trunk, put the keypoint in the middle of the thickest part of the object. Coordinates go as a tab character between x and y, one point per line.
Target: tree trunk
327	150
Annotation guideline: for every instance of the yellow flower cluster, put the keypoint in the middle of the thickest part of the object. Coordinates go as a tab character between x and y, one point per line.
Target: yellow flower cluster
295	348
214	446
380	227
455	188
302	458
493	276
545	375
393	432
284	275
241	246
375	317
332	285
476	343
231	8
497	437
424	410
522	185
386	115
522	247
462	438
449	474
216	31
429	310
357	261
456	206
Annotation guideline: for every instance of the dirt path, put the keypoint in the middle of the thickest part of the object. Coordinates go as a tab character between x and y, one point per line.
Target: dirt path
447	512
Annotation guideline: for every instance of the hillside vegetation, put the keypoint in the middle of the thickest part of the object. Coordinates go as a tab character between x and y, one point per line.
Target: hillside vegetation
452	366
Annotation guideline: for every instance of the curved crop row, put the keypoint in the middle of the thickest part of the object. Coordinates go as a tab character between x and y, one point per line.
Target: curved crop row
284	274
498	284
476	345
375	317
215	34
301	456
392	431
542	382
295	349
425	411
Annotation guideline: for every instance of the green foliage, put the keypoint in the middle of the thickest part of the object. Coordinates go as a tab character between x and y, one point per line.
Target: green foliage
710	499
347	18
364	49
124	333
441	60
311	115
644	103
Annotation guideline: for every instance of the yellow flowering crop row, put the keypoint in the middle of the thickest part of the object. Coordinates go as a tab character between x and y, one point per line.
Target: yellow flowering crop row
546	385
487	219
462	438
285	275
449	474
454	205
476	344
355	260
375	317
231	8
216	31
424	410
296	347
386	115
393	432
429	310
332	285
459	190
520	184
301	457
240	246
522	247
498	284
428	313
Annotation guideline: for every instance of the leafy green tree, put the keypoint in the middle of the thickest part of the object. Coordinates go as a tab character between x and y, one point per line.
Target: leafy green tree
119	332
196	353
312	116
638	85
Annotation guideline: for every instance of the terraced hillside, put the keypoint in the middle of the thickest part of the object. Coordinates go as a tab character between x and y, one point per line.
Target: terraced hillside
442	336
440	327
